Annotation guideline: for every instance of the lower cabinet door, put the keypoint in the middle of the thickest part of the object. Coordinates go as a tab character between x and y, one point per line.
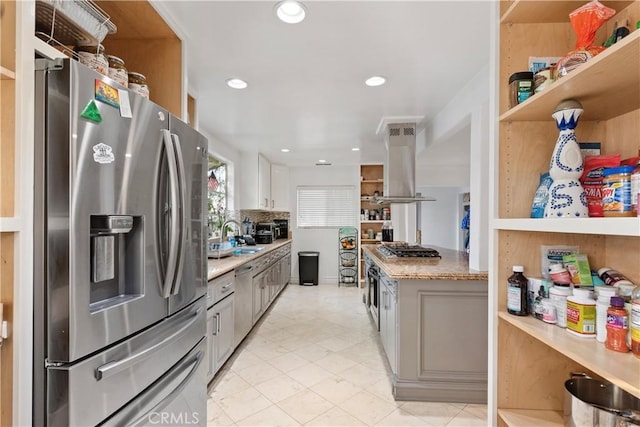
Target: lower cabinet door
224	335
211	327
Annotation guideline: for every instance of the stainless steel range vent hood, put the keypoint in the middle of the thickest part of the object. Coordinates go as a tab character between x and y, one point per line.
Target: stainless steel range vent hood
400	165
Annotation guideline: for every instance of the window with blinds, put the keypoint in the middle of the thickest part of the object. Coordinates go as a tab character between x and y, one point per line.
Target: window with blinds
322	206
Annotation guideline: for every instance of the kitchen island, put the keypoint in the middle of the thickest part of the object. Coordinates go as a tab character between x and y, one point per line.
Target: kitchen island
432	316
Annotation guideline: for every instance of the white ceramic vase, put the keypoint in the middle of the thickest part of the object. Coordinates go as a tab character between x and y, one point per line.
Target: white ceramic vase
567	198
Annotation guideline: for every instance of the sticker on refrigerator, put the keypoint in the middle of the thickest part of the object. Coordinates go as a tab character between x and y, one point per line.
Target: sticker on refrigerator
107	94
91	112
102	153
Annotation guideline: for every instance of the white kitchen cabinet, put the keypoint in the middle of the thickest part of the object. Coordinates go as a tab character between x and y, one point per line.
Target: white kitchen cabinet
279	188
255	181
264	182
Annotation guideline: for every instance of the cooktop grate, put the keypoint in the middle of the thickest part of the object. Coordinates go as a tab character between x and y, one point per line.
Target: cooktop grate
407	251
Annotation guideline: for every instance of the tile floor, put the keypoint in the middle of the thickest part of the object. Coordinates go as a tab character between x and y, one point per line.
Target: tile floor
315	359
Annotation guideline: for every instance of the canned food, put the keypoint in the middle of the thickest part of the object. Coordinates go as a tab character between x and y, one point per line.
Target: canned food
93	57
117	70
616	191
138	84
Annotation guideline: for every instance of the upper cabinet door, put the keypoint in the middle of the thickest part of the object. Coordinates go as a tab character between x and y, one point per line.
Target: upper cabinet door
280	188
264	183
254	177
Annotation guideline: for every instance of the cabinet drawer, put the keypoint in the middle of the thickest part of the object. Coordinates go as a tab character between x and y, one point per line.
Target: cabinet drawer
220	287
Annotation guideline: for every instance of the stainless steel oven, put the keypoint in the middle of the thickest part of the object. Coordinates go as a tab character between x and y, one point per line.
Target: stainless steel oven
373	283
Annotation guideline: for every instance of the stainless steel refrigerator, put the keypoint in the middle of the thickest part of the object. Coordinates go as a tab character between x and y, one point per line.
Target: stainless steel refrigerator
120	256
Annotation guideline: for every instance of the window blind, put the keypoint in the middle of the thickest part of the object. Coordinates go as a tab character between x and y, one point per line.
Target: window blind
326	206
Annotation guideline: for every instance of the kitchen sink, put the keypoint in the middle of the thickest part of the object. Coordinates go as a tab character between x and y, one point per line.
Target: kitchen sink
248	250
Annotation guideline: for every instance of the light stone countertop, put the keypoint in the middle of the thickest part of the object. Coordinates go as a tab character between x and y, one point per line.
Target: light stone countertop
217	267
454	265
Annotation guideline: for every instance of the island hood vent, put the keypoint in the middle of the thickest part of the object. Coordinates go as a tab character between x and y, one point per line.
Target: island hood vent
400	165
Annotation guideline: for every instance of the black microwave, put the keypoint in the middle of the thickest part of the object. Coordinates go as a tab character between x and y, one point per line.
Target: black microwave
281	228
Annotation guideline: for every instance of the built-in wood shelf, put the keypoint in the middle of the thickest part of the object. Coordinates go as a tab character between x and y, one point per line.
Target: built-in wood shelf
531	417
622	369
607	86
372	181
7	74
531	12
373	221
629	226
369	241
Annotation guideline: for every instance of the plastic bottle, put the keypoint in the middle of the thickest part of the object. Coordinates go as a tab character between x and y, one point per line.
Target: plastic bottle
612	277
617	326
602	305
517	292
559	274
581	313
634	323
558	295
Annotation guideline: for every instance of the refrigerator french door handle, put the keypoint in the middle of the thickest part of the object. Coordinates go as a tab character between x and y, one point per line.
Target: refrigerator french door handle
118	366
173	244
183	216
144	419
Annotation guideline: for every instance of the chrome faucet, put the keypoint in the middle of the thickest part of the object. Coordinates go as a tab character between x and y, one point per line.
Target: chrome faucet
231	221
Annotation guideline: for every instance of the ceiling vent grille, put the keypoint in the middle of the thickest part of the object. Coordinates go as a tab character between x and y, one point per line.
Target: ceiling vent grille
323	164
410	131
394	131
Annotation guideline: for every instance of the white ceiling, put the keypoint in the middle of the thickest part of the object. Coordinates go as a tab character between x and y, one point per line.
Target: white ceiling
306	81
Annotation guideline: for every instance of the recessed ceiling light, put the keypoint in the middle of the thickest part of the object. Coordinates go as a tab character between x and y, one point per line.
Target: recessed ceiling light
322	161
375	81
355	149
290	11
285	150
237	83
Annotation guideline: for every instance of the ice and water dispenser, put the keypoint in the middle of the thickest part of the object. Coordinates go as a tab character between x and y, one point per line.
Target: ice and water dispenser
116	259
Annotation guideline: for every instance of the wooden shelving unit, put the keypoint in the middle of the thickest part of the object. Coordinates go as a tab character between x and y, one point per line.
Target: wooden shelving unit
371	181
149	46
534	359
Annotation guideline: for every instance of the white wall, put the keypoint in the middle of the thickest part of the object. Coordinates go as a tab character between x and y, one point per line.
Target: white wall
470	107
441	219
324	241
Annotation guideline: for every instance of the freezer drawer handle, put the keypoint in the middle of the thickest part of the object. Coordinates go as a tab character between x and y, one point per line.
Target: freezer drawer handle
226	287
112	368
171	396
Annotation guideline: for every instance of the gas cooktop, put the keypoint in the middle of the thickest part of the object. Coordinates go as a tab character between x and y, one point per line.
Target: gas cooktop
404	250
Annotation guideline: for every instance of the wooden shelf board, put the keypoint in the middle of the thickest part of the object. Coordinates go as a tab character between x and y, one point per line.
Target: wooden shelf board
622	369
373	221
628	226
371	181
607	86
368	241
7	74
529	12
531	417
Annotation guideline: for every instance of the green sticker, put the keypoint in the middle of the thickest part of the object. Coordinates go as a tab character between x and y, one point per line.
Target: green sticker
91	112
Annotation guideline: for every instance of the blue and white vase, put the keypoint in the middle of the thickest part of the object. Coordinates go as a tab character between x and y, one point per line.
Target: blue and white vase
567	198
